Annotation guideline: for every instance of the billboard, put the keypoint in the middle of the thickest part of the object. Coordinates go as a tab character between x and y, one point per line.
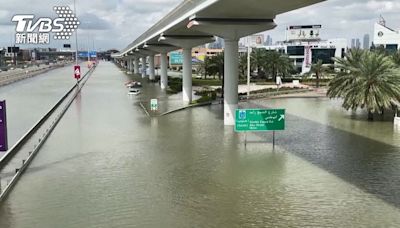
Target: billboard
303	32
175	58
257	40
12	49
307	59
84	54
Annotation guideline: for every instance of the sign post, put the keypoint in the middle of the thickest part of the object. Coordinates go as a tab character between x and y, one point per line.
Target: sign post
3	127
77	72
257	120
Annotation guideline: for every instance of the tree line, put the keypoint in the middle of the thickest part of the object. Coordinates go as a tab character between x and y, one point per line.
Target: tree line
269	64
366	79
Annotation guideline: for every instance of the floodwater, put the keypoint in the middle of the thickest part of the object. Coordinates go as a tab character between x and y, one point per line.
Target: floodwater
28	100
109	165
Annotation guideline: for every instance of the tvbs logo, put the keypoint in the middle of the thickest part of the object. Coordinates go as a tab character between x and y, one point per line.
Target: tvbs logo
25	24
37	31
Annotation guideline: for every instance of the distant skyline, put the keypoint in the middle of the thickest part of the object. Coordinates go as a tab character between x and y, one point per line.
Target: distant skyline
116	23
366	41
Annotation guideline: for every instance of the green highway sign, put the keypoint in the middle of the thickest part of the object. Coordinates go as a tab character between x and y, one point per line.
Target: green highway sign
153	104
175	58
260	120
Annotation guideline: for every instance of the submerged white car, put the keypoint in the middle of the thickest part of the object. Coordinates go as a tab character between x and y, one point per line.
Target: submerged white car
134	92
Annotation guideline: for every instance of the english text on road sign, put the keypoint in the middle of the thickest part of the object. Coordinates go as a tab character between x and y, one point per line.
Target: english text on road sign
260	120
154	104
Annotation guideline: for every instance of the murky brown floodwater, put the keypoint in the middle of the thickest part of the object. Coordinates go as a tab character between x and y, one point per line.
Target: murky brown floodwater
108	165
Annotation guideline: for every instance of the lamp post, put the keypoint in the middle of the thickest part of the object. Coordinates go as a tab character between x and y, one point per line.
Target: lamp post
76	38
77	70
248	66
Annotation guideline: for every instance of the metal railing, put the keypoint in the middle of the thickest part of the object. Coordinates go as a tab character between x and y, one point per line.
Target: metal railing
24	139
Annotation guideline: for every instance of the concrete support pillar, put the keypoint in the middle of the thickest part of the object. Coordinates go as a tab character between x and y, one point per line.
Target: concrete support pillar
187	75
130	65
144	66
136	70
231	80
164	71
152	73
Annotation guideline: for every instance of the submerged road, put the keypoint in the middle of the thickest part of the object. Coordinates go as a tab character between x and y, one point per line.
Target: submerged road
108	165
28	100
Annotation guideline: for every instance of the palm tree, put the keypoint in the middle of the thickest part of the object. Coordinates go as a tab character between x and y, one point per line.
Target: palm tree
318	68
258	60
277	63
396	58
242	65
216	66
368	80
285	65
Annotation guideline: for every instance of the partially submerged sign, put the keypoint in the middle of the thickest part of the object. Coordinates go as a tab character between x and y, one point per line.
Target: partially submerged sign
3	127
77	72
153	104
260	120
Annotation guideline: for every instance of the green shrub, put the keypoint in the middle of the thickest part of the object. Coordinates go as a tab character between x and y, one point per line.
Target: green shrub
204	99
206	82
175	85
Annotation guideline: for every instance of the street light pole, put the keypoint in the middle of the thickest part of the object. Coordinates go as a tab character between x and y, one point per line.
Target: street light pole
76	45
76	37
248	67
88	52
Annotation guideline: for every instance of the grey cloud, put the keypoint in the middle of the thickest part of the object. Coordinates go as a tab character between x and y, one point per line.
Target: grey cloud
90	21
128	19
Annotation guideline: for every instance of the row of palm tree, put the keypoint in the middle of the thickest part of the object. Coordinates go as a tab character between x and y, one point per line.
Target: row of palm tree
267	63
270	63
319	69
369	80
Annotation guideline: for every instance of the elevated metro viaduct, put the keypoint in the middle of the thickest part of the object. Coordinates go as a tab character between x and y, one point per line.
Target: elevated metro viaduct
196	22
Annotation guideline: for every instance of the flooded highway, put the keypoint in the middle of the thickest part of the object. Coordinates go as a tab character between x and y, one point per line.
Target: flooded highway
107	164
28	100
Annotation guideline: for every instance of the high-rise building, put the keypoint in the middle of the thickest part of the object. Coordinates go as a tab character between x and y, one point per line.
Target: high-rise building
366	44
358	43
353	43
268	41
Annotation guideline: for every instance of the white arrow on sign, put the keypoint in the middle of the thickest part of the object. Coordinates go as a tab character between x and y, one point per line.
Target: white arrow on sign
282	117
78	72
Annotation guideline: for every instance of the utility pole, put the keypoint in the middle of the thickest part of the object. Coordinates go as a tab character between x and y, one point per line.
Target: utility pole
76	37
88	52
248	67
76	45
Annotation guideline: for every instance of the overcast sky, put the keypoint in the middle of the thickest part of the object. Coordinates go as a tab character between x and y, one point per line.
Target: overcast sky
115	23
